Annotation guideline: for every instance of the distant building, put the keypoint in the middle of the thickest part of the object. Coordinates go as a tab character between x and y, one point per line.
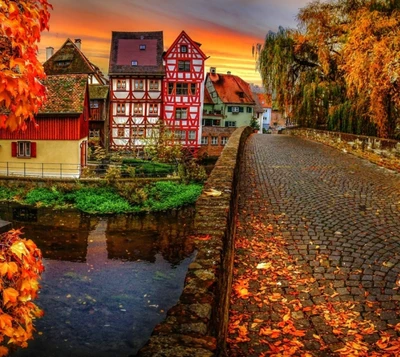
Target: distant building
183	90
228	104
58	146
70	59
136	74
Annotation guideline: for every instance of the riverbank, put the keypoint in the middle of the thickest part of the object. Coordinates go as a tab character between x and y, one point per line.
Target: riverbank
103	197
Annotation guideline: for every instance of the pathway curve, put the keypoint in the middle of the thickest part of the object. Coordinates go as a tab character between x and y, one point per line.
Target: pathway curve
317	265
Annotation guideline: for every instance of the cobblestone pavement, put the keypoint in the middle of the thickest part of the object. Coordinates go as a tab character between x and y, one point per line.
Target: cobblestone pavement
339	217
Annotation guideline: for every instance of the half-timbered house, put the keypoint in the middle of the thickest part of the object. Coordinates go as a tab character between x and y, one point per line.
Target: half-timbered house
183	90
70	59
136	74
56	144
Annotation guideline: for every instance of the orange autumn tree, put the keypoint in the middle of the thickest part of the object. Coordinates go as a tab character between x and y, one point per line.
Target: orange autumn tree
21	93
20	269
340	69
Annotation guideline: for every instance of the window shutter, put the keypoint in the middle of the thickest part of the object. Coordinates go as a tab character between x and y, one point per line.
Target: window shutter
241	109
14	149
229	109
33	149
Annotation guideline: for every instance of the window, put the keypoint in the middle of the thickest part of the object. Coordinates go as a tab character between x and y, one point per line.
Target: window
193	88
170	88
192	135
120	108
153	85
142	47
137	132
230	124
224	140
214	140
63	63
184	48
138	108
184	66
134	63
182	88
95	133
235	109
249	110
23	149
121	84
204	140
181	113
153	109
94	104
139	84
180	134
211	122
121	132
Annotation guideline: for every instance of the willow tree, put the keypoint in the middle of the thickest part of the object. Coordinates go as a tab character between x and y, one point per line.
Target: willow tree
339	69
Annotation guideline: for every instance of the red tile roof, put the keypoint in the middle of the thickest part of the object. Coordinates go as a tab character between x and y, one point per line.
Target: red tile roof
65	94
231	88
125	48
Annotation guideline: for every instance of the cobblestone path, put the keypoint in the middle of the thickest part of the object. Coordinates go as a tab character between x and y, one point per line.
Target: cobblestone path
337	218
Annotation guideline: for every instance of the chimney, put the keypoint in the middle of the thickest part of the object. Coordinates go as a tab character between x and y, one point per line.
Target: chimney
229	72
49	52
78	42
213	70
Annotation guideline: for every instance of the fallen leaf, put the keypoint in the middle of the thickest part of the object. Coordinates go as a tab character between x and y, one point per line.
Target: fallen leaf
212	192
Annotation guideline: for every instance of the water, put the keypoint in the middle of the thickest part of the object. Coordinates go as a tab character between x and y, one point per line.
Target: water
108	281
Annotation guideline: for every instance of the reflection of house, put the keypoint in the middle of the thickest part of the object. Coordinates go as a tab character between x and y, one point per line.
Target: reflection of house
69	59
228	104
183	90
57	145
136	73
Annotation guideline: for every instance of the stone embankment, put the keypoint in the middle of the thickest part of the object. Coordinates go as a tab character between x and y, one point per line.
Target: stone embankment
197	325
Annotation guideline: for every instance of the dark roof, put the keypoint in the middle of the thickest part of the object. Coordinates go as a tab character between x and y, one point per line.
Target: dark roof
69	59
65	94
98	91
231	88
125	48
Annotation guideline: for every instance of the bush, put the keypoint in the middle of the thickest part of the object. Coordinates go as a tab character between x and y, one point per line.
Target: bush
20	269
44	197
164	195
149	168
191	171
100	200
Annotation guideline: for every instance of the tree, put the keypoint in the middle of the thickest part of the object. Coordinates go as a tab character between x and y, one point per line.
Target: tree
340	69
21	93
20	269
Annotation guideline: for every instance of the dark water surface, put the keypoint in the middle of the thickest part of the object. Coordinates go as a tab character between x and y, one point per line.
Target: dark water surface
108	280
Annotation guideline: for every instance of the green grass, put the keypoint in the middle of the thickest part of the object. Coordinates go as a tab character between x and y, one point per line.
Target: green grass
160	196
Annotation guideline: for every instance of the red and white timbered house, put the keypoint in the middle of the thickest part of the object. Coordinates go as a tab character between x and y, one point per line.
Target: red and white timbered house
136	74
184	90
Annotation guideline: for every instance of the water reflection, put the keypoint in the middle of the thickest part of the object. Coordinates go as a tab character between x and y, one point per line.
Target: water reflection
108	281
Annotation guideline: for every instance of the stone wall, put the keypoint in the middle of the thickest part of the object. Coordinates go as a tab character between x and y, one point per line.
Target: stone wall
197	325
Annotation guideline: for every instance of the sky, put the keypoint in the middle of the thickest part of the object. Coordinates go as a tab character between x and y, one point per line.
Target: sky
227	29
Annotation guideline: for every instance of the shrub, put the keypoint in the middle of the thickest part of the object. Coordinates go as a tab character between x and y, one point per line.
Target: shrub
100	200
113	173
41	196
132	192
191	171
164	195
20	269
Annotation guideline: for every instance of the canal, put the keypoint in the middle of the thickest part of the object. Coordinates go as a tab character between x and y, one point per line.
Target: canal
108	280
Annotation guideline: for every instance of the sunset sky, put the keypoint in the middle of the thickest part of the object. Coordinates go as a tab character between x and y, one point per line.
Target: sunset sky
227	29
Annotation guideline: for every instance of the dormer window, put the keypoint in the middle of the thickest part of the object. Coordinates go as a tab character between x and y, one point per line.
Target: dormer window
134	63
142	47
241	95
184	48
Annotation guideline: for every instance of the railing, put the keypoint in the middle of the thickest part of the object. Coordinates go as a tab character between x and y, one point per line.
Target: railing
33	169
61	170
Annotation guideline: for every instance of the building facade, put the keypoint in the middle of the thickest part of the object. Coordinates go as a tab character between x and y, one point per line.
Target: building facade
183	91
136	77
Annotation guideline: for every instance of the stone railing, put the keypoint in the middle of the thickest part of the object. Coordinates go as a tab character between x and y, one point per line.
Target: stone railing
197	325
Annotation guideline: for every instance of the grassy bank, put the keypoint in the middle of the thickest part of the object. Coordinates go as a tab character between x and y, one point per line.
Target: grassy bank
118	198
